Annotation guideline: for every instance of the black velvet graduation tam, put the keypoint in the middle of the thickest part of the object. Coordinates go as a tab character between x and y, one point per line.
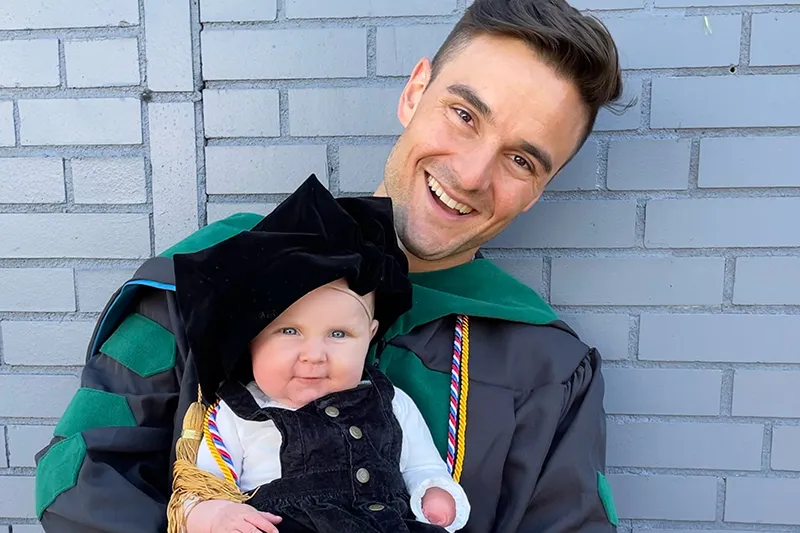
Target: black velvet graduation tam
229	292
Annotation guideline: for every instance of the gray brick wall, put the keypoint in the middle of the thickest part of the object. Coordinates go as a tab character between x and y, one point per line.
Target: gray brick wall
670	242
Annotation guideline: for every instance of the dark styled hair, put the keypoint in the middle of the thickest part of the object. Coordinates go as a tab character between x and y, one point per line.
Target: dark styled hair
577	46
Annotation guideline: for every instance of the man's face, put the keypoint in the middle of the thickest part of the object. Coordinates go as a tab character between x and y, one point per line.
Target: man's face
481	142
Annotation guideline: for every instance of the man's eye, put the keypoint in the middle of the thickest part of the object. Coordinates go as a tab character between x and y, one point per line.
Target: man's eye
289	331
521	161
466	117
338	334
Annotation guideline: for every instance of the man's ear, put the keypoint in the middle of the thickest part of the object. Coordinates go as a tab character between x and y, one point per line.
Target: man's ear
412	92
373	328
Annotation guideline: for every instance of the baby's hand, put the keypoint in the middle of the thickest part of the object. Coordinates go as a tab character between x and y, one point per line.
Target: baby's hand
439	507
220	516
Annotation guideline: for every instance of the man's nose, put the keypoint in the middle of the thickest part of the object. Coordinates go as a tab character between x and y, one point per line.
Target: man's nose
474	167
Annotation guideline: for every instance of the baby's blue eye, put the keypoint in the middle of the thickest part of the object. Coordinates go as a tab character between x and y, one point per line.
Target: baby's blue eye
288	331
338	334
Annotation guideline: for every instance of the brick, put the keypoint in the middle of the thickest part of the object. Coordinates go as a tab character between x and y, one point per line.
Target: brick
599	5
725	3
75	235
17	497
21	396
35	14
104	63
766	393
762	500
723	222
218	211
607	332
28	528
785	443
767	281
399	48
238	113
345	111
238	10
43	179
29	63
715	102
7	124
284	54
665	497
663	445
648	164
25	441
637	281
367	8
95	287
45	343
361	167
101	180
645	529
528	271
173	156
748	162
631	117
169	45
662	391
37	289
80	121
715	338
263	169
646	41
572	224
771	37
580	174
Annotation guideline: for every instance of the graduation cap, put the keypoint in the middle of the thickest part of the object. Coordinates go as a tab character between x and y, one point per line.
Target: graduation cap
229	292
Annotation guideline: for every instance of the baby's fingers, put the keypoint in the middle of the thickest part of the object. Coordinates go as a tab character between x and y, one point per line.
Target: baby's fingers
263	521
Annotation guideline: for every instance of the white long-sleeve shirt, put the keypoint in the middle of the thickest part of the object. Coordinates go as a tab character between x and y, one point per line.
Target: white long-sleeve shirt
254	448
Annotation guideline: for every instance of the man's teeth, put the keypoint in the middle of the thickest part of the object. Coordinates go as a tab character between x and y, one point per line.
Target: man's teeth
446	200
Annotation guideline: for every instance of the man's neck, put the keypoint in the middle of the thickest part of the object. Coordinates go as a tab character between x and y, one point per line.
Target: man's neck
417	265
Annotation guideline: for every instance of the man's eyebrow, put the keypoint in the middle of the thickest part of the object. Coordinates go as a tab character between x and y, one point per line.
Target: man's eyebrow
468	93
539	154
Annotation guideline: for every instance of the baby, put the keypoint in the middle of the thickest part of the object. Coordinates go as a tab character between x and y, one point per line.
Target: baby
311	438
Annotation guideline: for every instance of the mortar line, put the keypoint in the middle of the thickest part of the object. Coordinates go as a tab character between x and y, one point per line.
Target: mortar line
766	452
601	164
634	334
726	392
745	41
283	113
17	123
199	118
694	164
645	106
729	281
332	157
372	52
720	510
7	441
141	44
62	64
280	10
547	277
69	186
145	97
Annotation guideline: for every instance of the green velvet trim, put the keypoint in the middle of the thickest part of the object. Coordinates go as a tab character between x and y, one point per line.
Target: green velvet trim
214	233
58	470
142	345
91	408
604	490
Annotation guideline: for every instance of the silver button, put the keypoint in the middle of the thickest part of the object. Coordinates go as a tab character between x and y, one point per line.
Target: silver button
355	432
362	475
331	411
376	507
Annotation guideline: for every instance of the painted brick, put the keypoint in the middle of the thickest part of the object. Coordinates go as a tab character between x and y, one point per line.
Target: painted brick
600	5
29	63
237	113
665	497
218	211
43	179
580	174
647	164
646	41
528	271
748	162
762	501
168	45
648	530
103	63
100	180
37	289
27	528
361	167
7	124
785	443
174	160
716	222
263	169
281	54
631	118
663	445
399	48
771	39
715	102
34	14
21	396
767	281
348	111
736	338
722	3
17	497
95	287
238	10
25	441
637	281
766	393
367	8
45	343
662	391
572	224
75	235
606	332
80	121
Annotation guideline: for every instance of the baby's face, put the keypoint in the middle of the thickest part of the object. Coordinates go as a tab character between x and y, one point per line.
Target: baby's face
316	347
